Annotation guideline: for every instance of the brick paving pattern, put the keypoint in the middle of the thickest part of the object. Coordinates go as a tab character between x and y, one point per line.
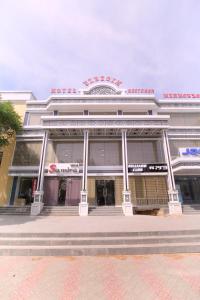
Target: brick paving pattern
148	277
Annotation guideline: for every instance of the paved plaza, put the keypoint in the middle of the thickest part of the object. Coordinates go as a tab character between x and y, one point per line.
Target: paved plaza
153	277
98	224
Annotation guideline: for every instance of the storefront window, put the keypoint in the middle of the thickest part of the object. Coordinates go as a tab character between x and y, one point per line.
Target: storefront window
105	154
27	154
61	152
144	152
26	189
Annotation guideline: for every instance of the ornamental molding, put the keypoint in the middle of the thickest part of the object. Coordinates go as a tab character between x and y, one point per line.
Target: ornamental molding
102	90
104	123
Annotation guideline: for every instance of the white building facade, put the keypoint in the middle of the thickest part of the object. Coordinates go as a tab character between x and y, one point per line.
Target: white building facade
108	146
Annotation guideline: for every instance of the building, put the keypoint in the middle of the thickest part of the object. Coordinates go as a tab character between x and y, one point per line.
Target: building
104	145
18	99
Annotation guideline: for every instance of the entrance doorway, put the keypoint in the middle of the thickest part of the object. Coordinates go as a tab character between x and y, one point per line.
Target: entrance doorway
105	192
189	188
69	191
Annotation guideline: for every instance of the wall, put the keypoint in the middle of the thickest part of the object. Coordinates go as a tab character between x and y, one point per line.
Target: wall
5	180
148	190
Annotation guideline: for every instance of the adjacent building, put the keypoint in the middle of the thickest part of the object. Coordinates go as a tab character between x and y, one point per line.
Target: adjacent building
18	99
107	146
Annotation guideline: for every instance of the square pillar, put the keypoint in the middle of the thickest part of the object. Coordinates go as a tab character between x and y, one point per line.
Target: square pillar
127	204
37	205
174	204
83	205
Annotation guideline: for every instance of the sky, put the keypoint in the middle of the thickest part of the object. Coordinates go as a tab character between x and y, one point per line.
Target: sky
61	43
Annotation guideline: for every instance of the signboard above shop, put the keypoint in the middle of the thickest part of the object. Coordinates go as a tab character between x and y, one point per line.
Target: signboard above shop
190	152
147	168
63	168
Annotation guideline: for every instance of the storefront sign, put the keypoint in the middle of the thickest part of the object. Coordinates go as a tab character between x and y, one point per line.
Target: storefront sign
140	91
97	79
62	168
147	168
194	151
179	95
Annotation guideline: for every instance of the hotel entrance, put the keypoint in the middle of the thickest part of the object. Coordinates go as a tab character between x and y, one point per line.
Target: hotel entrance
105	192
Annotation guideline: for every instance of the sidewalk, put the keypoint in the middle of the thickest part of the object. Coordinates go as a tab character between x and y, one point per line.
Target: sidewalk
97	224
153	277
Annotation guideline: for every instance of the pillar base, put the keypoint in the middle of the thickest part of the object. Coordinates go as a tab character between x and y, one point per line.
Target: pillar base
38	196
173	195
37	205
127	205
83	205
36	208
83	209
175	208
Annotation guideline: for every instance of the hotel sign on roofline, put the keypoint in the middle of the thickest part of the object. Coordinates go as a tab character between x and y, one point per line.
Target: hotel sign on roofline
96	79
102	80
181	96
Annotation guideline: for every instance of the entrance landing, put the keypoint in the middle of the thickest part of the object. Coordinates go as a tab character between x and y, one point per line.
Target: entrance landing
136	223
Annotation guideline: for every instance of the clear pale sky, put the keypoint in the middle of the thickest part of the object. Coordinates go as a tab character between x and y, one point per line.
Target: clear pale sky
61	43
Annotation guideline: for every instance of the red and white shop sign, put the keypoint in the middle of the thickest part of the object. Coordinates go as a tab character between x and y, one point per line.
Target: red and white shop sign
100	79
63	168
181	95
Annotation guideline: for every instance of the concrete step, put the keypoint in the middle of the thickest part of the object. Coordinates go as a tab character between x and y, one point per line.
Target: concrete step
60	211
191	209
105	211
15	210
97	242
101	243
192	232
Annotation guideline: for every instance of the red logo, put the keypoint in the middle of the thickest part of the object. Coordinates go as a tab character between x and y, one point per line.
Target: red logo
52	168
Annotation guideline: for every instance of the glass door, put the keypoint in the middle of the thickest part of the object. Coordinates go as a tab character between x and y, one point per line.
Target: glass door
105	193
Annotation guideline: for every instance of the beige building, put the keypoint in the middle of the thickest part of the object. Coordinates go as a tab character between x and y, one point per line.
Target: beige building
106	146
18	99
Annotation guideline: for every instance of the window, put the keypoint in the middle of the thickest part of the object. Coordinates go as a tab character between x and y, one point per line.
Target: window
1	157
64	152
27	154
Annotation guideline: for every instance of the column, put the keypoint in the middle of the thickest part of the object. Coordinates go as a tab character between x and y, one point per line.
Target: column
38	204
174	204
126	205
83	205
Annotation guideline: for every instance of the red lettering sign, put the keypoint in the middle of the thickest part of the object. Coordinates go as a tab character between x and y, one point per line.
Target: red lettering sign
181	96
102	79
140	91
64	91
52	168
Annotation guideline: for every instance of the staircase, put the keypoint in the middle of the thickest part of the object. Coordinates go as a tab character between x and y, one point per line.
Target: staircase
15	210
100	243
60	211
105	211
191	209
